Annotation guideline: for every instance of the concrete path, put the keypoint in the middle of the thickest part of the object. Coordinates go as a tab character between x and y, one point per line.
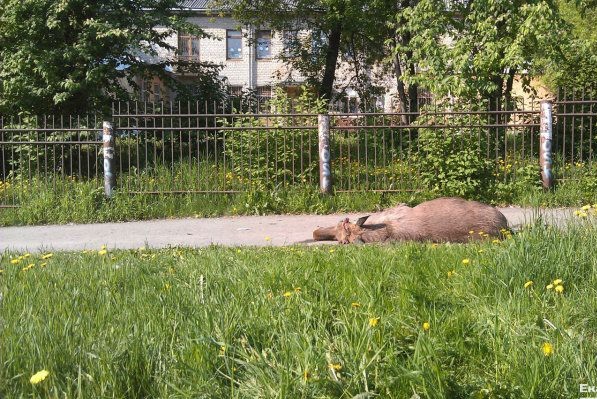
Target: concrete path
273	230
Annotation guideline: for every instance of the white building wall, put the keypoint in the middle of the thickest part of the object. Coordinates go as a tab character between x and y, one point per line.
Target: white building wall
250	72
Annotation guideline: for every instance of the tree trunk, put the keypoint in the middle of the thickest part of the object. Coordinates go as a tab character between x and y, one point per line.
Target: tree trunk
508	89
331	60
402	98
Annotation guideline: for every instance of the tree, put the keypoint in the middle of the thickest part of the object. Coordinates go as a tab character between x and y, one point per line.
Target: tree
476	48
574	64
72	56
355	30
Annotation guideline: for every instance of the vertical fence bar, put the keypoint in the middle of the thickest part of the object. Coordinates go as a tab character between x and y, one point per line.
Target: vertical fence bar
546	136
109	144
325	171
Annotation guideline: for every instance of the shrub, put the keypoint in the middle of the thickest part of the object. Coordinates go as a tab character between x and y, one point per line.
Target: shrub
275	155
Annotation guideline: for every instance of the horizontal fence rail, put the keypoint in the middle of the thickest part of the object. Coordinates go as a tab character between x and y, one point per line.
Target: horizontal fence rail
47	153
202	148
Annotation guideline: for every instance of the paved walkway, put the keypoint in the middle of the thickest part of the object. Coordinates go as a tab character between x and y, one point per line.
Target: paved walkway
273	230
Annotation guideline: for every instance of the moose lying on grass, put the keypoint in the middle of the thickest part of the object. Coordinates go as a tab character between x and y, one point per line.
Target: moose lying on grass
438	220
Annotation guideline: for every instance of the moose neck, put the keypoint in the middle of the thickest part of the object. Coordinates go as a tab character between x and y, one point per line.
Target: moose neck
374	235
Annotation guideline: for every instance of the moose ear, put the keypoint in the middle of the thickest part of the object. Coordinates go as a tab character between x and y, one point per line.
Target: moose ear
362	220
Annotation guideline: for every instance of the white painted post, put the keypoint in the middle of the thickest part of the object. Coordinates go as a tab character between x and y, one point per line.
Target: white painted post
325	169
109	172
545	142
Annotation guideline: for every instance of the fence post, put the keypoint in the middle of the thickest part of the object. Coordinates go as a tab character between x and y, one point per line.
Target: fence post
325	169
545	142
109	146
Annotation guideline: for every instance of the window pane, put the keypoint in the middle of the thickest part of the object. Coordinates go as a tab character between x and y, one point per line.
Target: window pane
291	42
195	46
183	46
188	46
234	44
264	44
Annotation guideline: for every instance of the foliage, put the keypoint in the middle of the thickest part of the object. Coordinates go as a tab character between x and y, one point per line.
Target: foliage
267	154
452	164
476	48
453	160
302	322
73	56
574	66
327	32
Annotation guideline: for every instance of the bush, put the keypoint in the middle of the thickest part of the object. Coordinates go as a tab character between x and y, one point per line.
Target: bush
275	155
452	164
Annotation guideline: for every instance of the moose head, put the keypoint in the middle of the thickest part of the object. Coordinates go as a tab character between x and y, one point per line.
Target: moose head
344	232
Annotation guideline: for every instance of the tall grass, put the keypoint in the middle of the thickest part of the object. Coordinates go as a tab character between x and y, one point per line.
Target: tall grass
299	322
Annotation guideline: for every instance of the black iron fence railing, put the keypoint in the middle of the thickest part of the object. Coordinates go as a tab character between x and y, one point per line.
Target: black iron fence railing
216	148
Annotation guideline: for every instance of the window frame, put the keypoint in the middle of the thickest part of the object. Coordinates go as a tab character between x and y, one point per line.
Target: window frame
186	46
237	35
259	35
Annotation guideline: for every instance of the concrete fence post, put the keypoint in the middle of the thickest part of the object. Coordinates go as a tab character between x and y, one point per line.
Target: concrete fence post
545	143
325	168
109	150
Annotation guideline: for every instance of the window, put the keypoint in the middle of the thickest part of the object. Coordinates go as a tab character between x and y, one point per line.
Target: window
157	92
319	41
264	91
188	46
291	42
236	91
145	90
234	44
264	44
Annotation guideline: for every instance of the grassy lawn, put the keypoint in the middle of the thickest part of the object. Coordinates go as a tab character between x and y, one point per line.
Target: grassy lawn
446	321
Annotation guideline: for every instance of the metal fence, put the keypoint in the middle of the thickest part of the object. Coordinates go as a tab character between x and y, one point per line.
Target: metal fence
47	151
218	148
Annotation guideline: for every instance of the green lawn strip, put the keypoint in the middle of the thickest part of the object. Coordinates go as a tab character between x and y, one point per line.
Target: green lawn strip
326	322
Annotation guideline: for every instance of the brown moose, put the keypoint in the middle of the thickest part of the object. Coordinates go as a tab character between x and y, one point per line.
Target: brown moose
438	220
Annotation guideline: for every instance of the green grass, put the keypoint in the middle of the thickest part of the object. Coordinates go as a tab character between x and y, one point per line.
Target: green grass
70	200
271	322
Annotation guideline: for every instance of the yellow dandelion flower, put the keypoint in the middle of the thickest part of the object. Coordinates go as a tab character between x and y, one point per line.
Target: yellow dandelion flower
43	264
102	252
332	250
557	281
268	238
222	350
426	326
297	289
373	321
15	261
586	207
166	286
451	273
355	305
466	261
549	286
559	289
335	366
528	284
547	349
26	256
47	256
39	377
496	241
287	294
481	251
471	232
306	375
